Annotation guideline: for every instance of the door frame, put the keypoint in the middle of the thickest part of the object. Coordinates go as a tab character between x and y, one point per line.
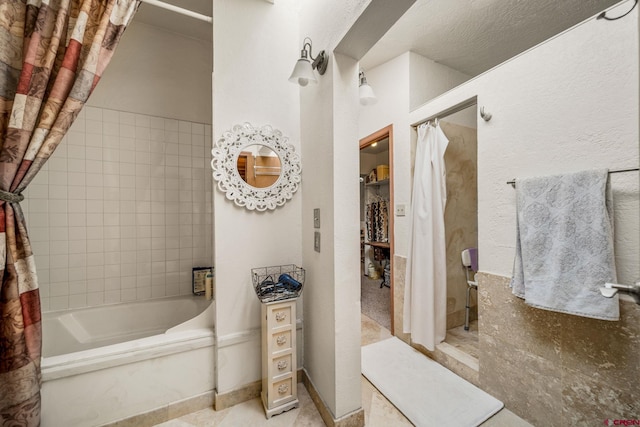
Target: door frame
387	132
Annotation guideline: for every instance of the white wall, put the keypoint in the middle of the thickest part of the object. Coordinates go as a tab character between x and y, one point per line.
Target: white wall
429	79
400	83
390	82
566	105
158	73
330	151
332	304
317	192
256	44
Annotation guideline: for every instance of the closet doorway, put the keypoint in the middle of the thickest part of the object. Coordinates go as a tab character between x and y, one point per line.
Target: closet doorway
376	227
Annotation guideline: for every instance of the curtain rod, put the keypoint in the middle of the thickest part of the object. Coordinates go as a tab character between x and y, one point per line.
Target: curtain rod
180	10
449	111
513	181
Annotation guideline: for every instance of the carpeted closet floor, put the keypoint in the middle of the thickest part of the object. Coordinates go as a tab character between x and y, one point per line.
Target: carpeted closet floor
375	301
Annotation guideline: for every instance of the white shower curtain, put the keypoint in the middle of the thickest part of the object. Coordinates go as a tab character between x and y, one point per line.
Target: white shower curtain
425	294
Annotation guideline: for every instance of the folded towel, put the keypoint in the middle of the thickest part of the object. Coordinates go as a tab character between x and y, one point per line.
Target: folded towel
564	246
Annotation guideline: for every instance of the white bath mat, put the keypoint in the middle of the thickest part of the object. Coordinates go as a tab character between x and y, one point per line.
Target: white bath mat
426	393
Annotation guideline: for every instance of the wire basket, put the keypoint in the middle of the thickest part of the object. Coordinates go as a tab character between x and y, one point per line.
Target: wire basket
278	282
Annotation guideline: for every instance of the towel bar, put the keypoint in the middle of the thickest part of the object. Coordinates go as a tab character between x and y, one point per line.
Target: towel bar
513	181
610	289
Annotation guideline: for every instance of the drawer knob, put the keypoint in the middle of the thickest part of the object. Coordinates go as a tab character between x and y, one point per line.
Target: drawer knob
282	339
283	364
280	316
283	388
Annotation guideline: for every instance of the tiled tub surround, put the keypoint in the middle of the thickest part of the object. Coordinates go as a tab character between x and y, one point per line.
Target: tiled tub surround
556	369
122	210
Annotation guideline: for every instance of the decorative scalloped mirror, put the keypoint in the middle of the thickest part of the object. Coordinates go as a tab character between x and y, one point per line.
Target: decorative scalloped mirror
256	167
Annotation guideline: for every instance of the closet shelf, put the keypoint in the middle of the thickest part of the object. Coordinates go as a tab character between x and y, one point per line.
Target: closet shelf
377	183
383	245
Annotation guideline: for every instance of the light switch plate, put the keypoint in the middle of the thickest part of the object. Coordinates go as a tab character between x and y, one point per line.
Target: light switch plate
316	218
316	241
400	210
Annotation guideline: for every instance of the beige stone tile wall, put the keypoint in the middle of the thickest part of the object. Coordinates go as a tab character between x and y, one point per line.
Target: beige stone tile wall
556	369
460	216
399	272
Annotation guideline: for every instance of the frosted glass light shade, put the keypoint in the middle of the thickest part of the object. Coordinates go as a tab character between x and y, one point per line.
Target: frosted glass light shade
367	97
303	73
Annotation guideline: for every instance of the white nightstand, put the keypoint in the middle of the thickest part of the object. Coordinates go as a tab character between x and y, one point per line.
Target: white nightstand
279	368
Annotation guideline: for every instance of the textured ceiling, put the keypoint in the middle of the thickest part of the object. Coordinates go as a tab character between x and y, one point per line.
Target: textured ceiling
470	36
176	23
473	36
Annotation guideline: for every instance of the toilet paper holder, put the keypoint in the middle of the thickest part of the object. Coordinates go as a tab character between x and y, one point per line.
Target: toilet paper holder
610	289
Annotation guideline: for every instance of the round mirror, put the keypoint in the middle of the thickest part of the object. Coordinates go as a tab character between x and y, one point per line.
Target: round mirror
255	167
259	166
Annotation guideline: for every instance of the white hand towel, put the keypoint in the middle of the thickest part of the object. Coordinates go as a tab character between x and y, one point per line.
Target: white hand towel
564	247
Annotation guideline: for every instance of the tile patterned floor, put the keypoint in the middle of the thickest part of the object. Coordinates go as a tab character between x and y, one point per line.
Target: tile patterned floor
378	411
250	413
372	332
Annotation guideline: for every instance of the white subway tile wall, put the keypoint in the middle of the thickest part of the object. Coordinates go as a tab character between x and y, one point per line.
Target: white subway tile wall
122	210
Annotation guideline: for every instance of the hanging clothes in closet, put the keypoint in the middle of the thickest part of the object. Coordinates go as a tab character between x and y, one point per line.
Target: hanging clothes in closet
377	220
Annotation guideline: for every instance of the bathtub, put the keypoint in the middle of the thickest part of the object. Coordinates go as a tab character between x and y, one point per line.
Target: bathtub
112	362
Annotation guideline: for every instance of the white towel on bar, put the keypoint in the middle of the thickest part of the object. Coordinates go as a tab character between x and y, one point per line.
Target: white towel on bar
564	246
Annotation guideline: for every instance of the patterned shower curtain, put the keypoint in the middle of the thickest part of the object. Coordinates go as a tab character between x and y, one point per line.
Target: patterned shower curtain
52	54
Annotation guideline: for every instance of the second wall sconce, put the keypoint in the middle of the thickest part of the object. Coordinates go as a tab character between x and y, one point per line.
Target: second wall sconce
367	97
303	71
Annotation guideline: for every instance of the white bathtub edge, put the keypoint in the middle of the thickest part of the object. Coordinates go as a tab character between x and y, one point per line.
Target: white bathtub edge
120	354
203	320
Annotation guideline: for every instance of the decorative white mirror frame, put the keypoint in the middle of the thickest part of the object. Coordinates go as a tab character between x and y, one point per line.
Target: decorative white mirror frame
224	164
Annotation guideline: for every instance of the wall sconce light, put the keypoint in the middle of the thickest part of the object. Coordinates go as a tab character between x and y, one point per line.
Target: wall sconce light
367	97
303	71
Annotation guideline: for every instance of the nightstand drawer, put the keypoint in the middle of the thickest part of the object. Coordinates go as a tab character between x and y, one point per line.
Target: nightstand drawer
282	390
281	341
279	316
281	365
